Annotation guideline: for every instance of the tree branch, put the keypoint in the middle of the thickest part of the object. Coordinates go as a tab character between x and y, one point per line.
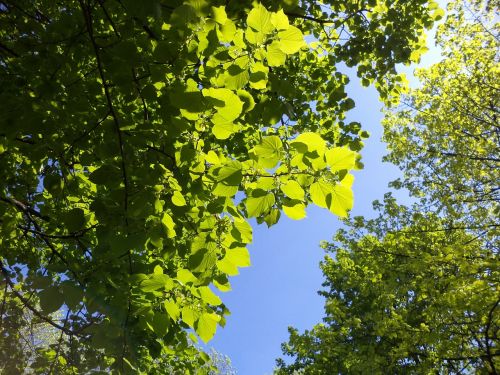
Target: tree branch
88	20
28	305
24	208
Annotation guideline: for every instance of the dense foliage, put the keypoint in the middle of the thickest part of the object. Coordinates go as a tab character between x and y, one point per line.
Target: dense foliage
416	290
405	294
445	136
138	138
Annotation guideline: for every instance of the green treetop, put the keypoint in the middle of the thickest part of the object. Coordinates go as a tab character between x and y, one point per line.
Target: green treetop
404	294
446	134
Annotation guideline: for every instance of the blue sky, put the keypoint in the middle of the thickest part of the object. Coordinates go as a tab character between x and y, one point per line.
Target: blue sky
280	288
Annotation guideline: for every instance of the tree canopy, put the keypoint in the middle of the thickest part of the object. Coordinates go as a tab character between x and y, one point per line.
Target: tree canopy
404	294
137	139
416	290
445	136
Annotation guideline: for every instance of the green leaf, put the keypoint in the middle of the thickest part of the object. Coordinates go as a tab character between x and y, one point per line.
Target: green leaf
259	203
54	184
341	158
248	101
242	231
259	76
229	173
208	296
272	217
169	224
309	142
234	258
228	178
178	199
160	324
259	19
206	326
74	220
130	366
227	31
172	310
438	14
155	282
186	276
223	130
203	259
342	200
223	287
293	190
188	99
319	192
236	76
227	104
348	180
280	20
219	15
51	299
189	316
239	256
275	56
73	295
269	151
158	270
105	174
222	190
291	40
295	210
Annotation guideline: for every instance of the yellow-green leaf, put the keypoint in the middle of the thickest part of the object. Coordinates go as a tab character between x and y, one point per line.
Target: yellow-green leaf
243	230
185	276
248	101
219	15
259	19
269	151
293	190
234	258
291	40
309	142
280	20
342	200
155	282
295	210
206	326
208	296
319	192
189	316
260	202
221	129
275	56
178	199
340	158
227	31
227	104
258	76
172	309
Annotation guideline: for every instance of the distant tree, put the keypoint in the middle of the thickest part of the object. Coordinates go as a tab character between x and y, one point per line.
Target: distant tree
445	136
13	355
138	138
417	290
404	294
